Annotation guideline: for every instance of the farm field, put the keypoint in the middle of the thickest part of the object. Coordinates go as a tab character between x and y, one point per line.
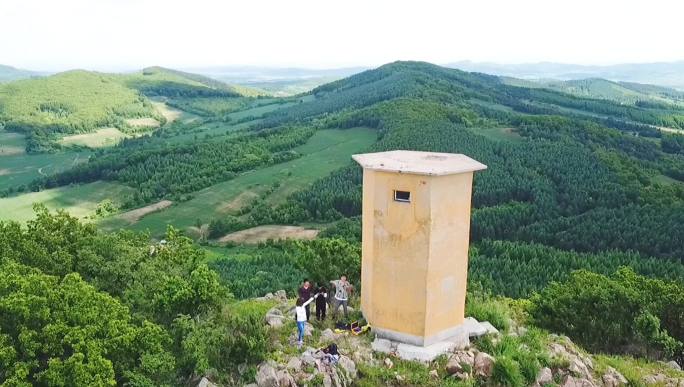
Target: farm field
78	200
325	152
19	169
97	139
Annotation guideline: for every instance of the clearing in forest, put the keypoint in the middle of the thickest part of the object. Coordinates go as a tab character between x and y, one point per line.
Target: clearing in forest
145	122
263	233
78	200
97	139
168	113
234	205
133	216
12	144
327	151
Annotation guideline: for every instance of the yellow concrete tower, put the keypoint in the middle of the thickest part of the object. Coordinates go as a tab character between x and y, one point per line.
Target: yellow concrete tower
416	227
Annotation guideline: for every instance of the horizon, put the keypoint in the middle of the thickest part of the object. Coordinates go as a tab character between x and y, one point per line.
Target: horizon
126	35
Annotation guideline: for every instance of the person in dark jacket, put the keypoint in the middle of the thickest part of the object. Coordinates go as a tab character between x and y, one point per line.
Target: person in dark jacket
321	302
306	292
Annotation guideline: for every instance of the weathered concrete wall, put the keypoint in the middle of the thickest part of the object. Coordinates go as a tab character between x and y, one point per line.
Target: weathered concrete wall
415	255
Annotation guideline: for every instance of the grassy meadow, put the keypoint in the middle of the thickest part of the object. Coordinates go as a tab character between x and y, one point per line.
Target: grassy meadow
325	152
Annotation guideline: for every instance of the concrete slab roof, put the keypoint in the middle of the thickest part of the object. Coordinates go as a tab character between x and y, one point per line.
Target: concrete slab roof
419	163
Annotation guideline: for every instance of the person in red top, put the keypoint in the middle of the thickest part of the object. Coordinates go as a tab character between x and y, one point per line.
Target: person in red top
306	292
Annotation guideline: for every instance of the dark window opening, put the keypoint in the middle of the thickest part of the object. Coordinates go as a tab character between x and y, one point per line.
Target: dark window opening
402	196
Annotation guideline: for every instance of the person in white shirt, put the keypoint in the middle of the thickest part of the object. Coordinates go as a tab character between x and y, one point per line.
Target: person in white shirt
300	311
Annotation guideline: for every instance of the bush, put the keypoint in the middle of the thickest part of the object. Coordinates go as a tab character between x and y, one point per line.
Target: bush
484	308
506	372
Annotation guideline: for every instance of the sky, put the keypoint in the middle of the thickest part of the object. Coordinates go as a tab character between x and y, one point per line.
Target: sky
107	35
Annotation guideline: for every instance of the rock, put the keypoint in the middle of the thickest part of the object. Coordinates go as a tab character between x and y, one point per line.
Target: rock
329	336
674	365
579	368
251	385
307	358
388	363
266	375
308	329
204	382
545	377
474	328
434	374
281	296
285	379
399	378
483	364
274	318
348	366
382	345
294	364
571	381
491	330
462	375
612	378
327	381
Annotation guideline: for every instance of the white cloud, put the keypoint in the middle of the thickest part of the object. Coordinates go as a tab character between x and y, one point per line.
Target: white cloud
116	34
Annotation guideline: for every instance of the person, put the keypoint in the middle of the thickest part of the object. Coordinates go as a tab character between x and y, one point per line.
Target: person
342	290
304	292
321	302
330	354
300	312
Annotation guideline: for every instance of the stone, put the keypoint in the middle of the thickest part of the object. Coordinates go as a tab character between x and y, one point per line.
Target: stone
308	329
285	379
329	336
266	375
204	382
491	329
434	374
399	378
294	364
348	366
327	381
307	358
474	328
545	377
280	295
274	318
382	345
462	375
674	365
612	378
483	364
459	360
571	381
388	363
579	368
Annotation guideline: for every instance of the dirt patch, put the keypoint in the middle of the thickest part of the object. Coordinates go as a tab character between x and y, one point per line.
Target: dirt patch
133	216
671	130
5	171
238	202
9	150
263	233
168	113
146	122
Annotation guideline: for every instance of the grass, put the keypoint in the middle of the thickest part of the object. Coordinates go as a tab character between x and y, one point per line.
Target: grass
12	143
19	169
97	139
325	152
78	200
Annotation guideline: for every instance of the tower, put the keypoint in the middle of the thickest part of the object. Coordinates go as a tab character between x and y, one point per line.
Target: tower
416	228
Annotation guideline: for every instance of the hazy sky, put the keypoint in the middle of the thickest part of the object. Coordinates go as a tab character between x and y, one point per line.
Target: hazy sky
121	34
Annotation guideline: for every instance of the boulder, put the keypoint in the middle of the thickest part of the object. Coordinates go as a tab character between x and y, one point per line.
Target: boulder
307	358
308	329
545	377
329	336
267	375
491	330
571	381
274	318
578	367
459	361
434	374
674	365
388	363
612	378
483	364
204	382
294	364
280	295
348	366
462	375
383	345
285	379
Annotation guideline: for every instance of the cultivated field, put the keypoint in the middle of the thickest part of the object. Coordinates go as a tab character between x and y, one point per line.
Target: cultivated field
78	200
97	139
21	169
12	144
260	234
325	152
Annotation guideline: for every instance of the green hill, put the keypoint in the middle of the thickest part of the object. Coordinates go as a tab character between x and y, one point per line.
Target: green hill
9	73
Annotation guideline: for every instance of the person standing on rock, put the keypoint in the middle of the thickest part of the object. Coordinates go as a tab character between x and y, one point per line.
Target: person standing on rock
305	293
321	302
300	312
342	290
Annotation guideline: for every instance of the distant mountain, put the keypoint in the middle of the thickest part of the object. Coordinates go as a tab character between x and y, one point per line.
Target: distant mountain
669	74
197	80
9	73
279	81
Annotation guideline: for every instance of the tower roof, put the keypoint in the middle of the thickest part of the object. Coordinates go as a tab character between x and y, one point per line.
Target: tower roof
419	163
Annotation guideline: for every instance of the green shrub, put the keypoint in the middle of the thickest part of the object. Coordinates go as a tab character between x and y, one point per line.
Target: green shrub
486	308
506	372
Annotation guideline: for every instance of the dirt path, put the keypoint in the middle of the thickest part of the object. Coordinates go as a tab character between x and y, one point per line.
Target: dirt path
263	233
133	216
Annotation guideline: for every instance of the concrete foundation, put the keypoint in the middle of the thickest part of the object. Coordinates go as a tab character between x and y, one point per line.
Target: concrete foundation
407	348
